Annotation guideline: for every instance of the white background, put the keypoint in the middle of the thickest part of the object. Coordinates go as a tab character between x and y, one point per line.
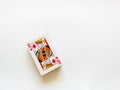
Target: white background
85	34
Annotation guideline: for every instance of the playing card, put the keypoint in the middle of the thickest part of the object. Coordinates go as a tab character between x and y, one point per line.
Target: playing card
43	55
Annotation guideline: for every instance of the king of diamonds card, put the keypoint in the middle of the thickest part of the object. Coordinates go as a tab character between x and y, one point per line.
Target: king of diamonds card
43	55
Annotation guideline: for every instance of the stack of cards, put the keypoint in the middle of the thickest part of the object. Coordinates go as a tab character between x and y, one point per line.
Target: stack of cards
43	55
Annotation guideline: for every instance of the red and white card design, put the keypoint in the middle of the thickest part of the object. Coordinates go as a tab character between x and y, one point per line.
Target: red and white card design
43	55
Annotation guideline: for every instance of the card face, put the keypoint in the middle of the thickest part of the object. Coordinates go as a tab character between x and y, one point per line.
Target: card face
43	55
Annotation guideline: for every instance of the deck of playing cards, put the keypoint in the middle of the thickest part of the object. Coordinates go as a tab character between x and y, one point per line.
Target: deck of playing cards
43	55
